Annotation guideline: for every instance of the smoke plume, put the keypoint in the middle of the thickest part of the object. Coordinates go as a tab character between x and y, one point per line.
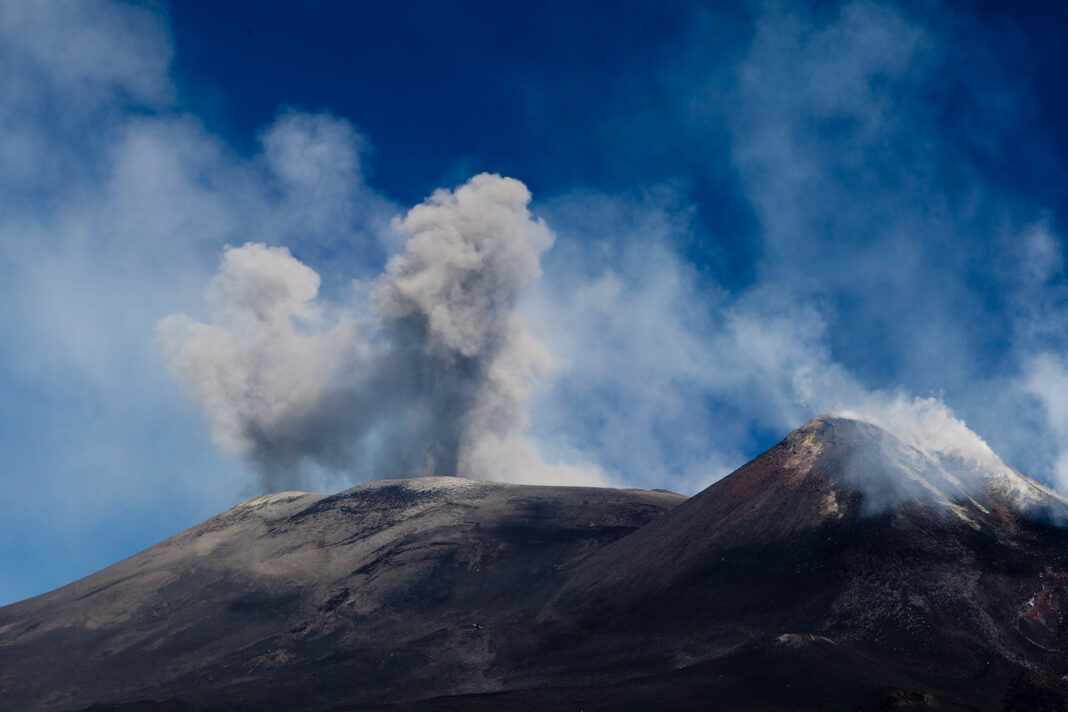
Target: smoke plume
429	372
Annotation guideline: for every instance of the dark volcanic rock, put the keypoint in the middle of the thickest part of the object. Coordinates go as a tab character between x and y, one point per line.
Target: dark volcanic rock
941	591
393	590
787	585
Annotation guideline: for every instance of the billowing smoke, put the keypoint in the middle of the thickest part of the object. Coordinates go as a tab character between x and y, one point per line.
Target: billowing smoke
933	456
429	371
930	426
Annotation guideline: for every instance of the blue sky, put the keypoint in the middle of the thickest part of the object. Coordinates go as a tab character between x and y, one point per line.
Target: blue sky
724	220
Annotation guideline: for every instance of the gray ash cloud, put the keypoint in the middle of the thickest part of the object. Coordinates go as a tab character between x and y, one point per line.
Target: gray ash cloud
429	372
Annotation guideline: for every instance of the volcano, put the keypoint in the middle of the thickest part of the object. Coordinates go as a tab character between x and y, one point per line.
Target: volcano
842	569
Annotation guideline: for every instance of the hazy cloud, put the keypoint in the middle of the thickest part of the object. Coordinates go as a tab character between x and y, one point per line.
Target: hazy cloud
1046	379
114	205
882	253
886	243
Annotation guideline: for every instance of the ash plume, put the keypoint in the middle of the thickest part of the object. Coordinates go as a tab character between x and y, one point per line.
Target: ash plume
428	373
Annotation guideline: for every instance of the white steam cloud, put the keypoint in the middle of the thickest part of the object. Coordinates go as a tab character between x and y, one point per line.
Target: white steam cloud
928	425
430	373
1046	379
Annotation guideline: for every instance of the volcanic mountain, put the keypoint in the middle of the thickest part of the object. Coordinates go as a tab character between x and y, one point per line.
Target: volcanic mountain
842	569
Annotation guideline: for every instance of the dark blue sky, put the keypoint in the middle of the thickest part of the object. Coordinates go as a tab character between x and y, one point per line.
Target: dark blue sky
561	95
436	84
762	211
546	91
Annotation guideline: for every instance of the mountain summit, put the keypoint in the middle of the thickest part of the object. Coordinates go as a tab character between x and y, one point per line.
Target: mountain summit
842	569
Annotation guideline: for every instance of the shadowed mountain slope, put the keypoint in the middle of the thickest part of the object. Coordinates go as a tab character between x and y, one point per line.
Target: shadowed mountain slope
843	535
296	601
842	569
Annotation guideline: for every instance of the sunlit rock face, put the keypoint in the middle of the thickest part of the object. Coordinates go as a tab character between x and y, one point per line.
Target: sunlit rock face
842	569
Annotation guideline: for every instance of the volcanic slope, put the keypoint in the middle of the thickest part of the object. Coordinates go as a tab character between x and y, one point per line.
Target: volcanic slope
840	570
389	591
912	579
